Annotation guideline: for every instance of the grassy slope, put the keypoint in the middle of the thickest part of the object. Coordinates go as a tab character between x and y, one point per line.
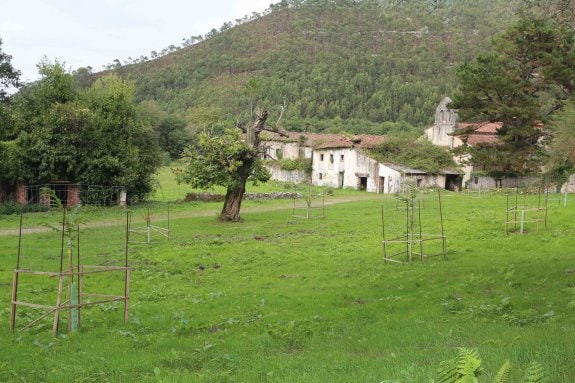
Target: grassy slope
276	299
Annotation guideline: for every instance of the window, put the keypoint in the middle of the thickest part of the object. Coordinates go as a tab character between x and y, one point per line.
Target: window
475	180
321	158
279	154
341	157
331	158
320	176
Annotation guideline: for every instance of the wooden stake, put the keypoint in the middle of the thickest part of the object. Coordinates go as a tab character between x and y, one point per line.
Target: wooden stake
58	304
14	300
126	294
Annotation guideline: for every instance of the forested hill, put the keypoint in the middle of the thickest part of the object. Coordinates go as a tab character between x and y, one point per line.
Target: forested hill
334	64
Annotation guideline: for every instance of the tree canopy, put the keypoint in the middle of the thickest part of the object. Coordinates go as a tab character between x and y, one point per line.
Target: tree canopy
229	160
90	136
9	76
528	76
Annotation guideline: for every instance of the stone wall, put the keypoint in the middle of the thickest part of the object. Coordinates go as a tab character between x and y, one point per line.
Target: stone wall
569	186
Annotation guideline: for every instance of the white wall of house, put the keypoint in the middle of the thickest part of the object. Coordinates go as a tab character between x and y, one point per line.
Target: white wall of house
288	150
331	167
389	180
428	180
351	168
293	176
483	182
276	150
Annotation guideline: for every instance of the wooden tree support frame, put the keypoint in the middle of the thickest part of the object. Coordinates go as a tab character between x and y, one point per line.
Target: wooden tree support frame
63	302
523	214
309	210
148	230
75	299
413	239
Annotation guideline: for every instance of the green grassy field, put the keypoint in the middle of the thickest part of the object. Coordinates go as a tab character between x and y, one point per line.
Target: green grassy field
280	299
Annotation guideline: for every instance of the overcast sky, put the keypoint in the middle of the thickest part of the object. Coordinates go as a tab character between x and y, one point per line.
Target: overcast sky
83	33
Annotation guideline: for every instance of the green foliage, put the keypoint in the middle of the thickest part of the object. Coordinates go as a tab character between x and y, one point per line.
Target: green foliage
9	77
304	164
526	78
90	136
420	154
8	208
561	150
364	63
217	160
503	375
535	373
10	161
466	368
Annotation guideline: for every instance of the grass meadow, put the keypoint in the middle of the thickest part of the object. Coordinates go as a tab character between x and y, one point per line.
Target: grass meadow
281	299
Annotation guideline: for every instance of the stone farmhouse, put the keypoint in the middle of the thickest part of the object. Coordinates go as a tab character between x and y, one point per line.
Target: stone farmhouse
343	161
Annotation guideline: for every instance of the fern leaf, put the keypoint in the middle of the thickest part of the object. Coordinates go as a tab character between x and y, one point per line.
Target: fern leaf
463	369
468	362
447	372
503	373
535	373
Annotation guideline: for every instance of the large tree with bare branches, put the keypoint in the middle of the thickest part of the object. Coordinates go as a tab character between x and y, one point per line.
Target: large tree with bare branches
230	160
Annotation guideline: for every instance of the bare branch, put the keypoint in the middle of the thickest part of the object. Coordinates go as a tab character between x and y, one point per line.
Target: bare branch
240	126
281	132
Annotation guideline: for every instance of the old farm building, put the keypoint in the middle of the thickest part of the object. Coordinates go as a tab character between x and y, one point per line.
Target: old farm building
343	161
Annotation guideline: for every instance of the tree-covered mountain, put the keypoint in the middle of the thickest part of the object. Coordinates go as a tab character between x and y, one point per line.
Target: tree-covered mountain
370	66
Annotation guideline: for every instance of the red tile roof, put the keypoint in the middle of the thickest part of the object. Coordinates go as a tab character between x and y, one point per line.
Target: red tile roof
320	141
479	133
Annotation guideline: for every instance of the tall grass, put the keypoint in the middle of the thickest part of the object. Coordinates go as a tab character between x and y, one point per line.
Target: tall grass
280	299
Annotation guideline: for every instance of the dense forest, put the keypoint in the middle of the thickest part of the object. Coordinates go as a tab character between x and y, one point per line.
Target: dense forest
361	66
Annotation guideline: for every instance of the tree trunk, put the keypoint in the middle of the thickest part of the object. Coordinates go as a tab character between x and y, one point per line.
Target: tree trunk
232	204
235	194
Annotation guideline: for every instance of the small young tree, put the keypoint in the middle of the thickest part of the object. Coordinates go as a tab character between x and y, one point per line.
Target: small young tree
229	160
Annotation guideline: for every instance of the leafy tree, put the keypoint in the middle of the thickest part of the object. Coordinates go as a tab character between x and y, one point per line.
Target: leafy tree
9	77
90	136
561	150
227	160
173	137
524	80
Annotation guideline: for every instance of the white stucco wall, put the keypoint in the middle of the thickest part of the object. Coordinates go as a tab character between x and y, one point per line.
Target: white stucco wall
294	176
569	186
489	183
349	171
289	150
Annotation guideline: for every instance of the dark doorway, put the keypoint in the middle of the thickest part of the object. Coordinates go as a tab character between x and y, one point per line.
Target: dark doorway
362	183
381	185
453	182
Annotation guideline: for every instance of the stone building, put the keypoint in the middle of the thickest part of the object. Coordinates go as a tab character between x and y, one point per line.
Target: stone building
344	161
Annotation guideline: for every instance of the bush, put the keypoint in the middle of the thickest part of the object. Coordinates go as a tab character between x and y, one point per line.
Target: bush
8	208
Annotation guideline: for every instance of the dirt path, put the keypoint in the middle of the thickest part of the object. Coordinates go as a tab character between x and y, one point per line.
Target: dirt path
192	213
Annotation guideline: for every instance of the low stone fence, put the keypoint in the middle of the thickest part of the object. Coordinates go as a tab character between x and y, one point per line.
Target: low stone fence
215	197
